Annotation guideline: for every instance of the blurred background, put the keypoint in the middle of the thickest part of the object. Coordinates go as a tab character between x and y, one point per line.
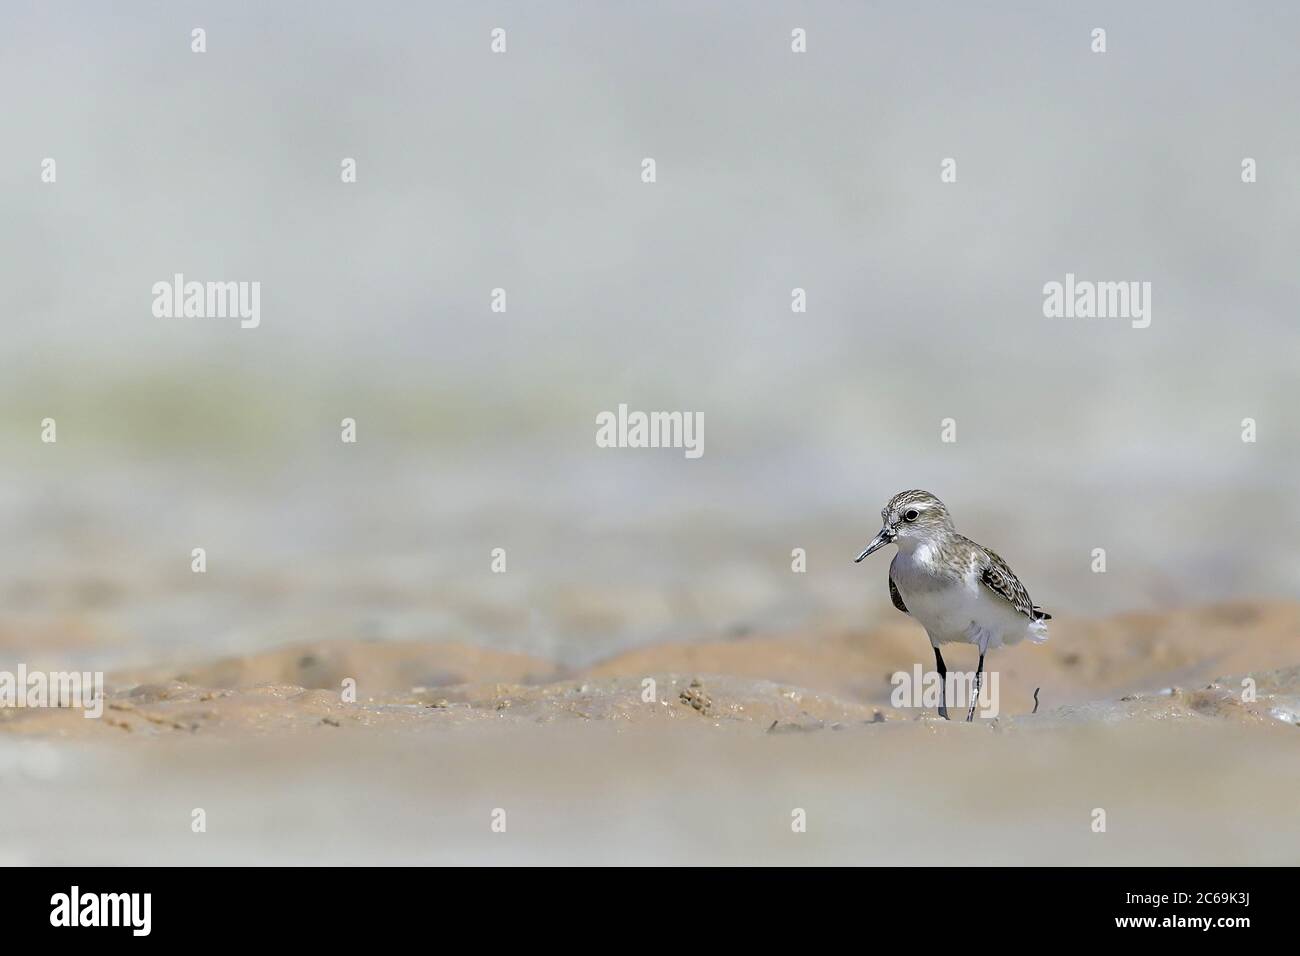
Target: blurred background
522	171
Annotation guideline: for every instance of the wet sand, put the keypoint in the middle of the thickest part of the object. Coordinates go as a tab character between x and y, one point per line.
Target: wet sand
1141	715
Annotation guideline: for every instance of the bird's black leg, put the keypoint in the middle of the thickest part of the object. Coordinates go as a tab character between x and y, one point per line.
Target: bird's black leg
975	693
943	683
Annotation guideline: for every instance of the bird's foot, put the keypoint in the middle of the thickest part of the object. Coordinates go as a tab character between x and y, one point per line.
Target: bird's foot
943	712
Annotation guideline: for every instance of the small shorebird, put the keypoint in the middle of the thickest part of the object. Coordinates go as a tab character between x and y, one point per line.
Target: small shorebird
958	590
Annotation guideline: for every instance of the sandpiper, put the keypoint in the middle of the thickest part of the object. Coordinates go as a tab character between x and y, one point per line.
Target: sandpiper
958	590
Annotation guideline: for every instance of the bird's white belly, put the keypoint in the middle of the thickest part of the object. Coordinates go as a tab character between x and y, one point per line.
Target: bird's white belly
956	609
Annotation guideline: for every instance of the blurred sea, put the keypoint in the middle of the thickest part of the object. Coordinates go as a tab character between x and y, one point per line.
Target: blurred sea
476	429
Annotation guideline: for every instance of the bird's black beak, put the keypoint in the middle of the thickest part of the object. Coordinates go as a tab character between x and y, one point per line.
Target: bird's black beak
879	541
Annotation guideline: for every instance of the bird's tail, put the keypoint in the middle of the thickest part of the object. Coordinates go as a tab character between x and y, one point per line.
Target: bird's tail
1038	627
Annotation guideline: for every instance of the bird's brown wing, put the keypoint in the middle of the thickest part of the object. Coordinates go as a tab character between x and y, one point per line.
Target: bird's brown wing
1000	579
896	597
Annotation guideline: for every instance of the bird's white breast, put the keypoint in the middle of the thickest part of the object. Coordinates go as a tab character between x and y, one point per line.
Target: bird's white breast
954	606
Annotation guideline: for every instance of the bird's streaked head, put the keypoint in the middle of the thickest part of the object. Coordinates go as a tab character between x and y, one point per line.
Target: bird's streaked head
910	516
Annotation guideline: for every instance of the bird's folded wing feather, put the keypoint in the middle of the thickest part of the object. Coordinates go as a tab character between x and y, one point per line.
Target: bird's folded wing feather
998	577
896	597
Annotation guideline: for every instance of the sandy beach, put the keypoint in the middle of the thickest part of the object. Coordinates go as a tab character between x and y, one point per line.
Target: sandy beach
741	735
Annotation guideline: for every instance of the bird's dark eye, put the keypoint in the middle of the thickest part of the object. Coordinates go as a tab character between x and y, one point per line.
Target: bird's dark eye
911	514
